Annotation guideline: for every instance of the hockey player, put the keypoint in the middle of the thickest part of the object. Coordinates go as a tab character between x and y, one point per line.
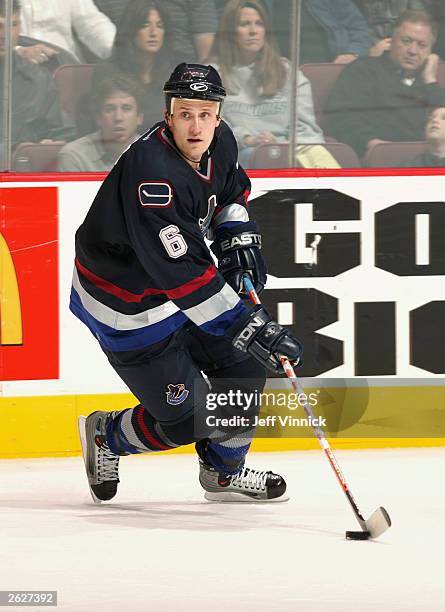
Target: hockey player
146	285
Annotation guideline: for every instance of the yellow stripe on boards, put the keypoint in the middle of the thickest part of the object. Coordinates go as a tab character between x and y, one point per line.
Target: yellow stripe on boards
47	426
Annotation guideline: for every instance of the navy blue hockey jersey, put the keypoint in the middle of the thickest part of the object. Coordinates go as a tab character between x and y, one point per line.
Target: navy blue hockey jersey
142	267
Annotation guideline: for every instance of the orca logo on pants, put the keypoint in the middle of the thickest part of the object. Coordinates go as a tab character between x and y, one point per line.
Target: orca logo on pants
176	394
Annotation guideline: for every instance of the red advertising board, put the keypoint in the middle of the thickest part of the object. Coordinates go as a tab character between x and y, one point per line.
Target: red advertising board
29	317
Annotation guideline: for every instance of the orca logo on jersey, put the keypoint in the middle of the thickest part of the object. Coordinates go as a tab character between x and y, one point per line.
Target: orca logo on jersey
204	222
176	394
156	194
199	87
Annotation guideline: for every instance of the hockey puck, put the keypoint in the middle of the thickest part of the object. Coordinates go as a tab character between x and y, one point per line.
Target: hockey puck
357	535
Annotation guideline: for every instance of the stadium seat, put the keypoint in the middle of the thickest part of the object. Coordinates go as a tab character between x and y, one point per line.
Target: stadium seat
73	81
62	57
393	154
322	78
276	155
35	157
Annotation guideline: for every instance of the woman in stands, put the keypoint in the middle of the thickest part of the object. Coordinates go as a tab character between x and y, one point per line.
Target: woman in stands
258	82
142	49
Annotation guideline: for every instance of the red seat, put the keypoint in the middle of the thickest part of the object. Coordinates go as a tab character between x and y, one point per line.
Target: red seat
393	154
73	81
276	155
35	157
322	78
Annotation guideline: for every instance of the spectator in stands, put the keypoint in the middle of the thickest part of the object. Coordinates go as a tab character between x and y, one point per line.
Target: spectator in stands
193	23
142	49
60	22
113	9
386	98
36	115
258	82
434	156
118	103
382	15
330	30
437	9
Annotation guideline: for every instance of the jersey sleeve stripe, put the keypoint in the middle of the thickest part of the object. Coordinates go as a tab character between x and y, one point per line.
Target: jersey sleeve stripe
231	213
218	327
108	287
213	307
125	340
127	296
118	320
193	285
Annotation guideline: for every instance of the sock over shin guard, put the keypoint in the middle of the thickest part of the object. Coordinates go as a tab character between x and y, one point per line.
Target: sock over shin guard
226	456
134	431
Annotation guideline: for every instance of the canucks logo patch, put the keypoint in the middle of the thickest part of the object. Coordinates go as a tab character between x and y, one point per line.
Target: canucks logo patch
176	394
156	194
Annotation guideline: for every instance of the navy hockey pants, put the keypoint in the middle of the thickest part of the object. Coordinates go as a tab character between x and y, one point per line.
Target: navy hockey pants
167	380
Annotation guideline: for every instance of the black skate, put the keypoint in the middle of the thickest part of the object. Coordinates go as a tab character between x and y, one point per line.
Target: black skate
101	464
246	486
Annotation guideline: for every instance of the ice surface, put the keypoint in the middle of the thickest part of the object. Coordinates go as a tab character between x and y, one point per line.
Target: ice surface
160	546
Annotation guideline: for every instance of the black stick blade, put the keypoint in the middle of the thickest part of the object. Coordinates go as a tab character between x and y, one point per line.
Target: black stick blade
358	535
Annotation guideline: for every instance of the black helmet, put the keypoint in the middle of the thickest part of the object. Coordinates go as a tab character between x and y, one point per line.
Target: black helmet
194	81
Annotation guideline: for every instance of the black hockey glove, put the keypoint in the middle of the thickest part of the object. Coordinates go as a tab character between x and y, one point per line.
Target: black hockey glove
266	340
238	250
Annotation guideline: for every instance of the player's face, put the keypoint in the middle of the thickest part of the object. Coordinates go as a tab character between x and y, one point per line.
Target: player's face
250	31
15	31
119	118
435	127
411	45
150	37
193	124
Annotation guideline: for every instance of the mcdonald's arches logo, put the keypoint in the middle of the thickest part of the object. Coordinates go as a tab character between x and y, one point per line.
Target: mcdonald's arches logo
29	317
10	310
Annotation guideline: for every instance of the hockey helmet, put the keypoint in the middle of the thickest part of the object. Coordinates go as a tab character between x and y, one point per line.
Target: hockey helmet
196	82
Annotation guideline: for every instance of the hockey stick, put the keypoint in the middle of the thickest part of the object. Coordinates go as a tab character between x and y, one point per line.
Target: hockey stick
379	521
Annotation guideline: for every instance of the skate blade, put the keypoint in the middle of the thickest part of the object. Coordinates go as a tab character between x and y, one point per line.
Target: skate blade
227	497
81	422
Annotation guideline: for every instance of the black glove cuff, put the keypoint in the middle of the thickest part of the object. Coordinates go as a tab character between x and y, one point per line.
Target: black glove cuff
255	322
266	340
241	236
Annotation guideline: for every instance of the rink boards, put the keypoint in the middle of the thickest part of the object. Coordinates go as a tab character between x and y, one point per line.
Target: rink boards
356	266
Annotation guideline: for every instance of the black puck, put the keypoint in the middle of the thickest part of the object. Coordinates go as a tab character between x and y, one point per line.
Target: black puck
358	535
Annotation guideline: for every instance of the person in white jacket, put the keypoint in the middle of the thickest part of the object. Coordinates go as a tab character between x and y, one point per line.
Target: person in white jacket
59	22
258	82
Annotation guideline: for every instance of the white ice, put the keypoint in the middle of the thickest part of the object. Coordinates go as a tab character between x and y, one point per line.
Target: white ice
160	546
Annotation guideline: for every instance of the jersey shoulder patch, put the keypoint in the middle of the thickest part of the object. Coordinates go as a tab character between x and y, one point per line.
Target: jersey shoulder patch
155	194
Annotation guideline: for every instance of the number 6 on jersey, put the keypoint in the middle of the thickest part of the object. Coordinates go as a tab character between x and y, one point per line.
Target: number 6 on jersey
173	241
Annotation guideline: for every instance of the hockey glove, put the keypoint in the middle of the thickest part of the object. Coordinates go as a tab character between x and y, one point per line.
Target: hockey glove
238	250
267	340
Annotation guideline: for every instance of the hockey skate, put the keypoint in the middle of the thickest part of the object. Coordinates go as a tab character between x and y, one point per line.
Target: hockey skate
101	464
246	486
